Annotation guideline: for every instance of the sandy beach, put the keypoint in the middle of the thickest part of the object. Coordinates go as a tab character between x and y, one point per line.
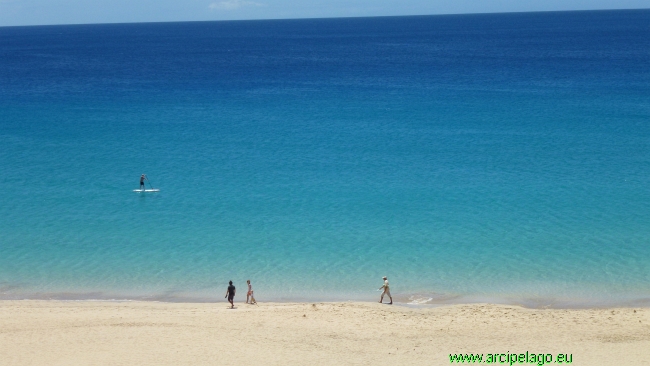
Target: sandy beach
152	333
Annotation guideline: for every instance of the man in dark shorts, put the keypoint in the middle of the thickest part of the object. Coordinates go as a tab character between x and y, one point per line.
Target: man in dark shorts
142	178
230	294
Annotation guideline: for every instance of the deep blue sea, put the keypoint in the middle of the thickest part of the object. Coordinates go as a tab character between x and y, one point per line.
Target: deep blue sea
500	157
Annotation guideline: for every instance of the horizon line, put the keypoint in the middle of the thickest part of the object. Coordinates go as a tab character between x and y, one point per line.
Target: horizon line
324	18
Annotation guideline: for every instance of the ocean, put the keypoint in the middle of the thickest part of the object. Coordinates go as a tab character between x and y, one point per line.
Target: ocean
489	157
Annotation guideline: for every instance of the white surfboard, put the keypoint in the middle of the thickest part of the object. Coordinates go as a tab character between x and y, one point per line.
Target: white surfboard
146	190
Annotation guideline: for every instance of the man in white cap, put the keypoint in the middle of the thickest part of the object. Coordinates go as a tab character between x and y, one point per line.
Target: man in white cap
386	288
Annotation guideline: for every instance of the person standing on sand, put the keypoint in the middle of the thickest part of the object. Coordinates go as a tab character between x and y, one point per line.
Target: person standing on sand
142	178
250	293
230	294
386	288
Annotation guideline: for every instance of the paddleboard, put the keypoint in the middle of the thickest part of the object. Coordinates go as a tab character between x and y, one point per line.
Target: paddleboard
146	190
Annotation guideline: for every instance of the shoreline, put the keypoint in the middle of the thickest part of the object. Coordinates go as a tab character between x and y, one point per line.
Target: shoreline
34	332
410	300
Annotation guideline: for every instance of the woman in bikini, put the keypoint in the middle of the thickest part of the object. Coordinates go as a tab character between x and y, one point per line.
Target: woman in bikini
249	294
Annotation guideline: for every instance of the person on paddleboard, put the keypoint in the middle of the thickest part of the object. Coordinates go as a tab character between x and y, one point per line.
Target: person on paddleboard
142	178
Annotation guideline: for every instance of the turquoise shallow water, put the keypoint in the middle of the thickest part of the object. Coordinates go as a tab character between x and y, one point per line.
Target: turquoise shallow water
495	157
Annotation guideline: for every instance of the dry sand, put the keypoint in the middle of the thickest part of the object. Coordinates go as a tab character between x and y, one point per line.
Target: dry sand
150	333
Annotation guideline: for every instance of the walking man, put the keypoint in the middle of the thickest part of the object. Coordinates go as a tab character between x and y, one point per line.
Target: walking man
230	294
386	289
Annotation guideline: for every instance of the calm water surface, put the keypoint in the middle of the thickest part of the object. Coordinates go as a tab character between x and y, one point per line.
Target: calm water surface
501	157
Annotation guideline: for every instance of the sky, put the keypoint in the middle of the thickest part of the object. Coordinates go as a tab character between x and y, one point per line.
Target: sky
42	12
